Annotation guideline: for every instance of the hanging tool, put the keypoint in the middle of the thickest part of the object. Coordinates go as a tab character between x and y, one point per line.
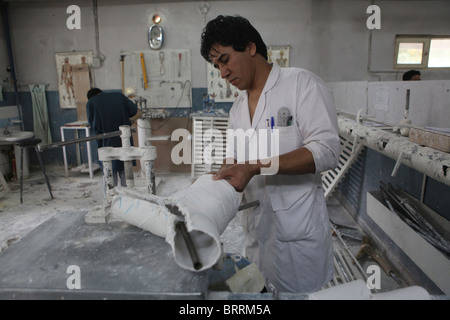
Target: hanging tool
366	249
122	61
179	65
161	63
144	73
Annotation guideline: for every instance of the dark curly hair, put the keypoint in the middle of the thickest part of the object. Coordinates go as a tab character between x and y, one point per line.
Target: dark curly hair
234	31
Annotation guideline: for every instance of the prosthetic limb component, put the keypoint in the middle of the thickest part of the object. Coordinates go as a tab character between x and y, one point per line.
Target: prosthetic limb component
207	206
191	221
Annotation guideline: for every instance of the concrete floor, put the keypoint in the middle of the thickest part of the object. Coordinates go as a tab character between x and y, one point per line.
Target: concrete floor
78	193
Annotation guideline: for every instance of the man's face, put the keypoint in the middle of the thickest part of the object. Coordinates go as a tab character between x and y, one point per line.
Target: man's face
234	66
415	77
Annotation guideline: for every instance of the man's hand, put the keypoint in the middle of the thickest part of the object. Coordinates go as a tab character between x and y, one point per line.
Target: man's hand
238	175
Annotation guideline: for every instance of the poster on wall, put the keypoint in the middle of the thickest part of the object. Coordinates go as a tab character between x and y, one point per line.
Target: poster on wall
219	89
222	91
74	79
279	55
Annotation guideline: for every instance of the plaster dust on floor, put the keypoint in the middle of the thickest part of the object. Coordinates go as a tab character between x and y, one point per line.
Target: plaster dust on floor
76	193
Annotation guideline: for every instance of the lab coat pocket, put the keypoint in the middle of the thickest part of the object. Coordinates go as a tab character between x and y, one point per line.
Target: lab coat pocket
301	220
286	140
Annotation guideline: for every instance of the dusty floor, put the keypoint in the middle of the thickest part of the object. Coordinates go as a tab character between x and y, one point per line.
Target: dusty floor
77	192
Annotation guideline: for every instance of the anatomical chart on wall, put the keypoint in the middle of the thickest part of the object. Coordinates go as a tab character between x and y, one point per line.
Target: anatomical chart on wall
222	91
279	55
219	89
162	78
74	79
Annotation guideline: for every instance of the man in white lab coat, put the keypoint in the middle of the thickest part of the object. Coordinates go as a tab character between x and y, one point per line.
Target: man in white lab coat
288	235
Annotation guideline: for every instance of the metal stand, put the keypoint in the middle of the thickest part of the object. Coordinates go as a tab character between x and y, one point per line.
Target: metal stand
28	144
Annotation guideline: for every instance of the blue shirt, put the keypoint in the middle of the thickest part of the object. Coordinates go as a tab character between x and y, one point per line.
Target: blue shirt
106	112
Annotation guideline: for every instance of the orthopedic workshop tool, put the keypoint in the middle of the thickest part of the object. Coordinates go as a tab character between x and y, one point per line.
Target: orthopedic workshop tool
144	72
74	141
179	65
161	63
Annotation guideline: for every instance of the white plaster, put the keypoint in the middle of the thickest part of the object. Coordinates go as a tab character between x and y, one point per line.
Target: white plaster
142	214
207	206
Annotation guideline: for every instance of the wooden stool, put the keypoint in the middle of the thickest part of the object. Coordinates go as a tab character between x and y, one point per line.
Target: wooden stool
28	144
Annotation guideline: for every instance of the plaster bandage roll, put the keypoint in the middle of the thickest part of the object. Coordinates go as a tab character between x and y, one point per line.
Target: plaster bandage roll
142	214
207	206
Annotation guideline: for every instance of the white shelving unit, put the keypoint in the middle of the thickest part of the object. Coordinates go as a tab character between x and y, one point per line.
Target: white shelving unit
208	144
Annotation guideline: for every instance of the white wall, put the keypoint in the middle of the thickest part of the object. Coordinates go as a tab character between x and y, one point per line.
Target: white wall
328	37
385	101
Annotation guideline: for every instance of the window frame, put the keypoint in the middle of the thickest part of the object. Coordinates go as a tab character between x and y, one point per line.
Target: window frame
426	40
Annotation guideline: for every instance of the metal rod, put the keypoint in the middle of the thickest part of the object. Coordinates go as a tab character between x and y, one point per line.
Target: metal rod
344	264
408	92
249	205
424	183
180	225
358	265
339	271
357	273
7	33
74	141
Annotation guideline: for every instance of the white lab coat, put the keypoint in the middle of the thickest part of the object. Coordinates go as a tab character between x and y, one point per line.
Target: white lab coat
288	236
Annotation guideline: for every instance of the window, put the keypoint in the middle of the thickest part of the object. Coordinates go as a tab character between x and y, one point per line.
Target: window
439	53
422	52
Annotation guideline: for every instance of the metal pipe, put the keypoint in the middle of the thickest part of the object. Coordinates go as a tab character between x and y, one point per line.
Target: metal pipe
429	161
408	94
424	186
340	271
74	141
122	57
11	58
358	265
181	226
344	265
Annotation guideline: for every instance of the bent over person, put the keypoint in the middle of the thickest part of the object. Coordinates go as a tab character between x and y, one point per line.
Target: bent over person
106	112
288	235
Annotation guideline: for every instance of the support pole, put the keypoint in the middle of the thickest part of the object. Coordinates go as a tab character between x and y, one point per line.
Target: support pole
11	58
